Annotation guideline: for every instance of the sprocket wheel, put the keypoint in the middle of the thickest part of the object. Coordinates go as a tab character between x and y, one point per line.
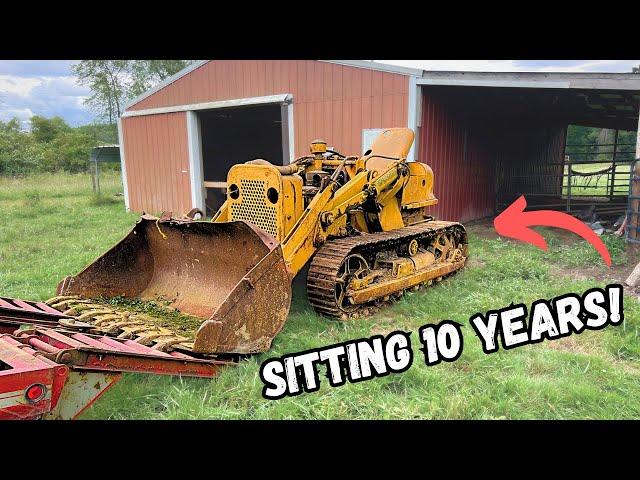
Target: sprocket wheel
444	247
354	266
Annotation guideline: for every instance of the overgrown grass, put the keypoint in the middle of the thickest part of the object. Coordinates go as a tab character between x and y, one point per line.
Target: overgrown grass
592	375
52	227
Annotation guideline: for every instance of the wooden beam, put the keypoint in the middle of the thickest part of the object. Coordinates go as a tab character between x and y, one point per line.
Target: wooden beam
222	185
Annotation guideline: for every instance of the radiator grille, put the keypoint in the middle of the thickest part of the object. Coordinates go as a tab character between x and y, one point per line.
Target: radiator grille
253	206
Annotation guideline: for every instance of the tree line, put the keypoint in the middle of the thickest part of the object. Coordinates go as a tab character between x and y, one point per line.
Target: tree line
53	145
596	144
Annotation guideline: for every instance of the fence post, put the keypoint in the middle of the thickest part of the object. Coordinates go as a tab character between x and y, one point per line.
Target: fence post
613	165
569	185
97	177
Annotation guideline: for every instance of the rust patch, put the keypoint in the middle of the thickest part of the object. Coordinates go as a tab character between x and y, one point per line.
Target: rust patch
229	273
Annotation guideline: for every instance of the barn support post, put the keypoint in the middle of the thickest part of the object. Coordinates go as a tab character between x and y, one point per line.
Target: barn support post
196	174
123	166
569	180
414	97
286	113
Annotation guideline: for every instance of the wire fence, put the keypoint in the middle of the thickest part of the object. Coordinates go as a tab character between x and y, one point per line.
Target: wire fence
588	174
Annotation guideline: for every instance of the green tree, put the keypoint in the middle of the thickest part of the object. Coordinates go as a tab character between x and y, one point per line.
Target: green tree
147	73
50	146
12	125
112	82
106	79
44	130
19	153
69	151
101	133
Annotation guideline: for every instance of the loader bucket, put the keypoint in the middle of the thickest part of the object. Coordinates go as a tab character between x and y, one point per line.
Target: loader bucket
231	275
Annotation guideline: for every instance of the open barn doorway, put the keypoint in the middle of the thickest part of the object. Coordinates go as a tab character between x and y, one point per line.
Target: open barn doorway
237	135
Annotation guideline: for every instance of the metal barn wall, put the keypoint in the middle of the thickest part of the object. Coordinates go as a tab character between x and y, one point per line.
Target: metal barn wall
331	101
157	162
459	153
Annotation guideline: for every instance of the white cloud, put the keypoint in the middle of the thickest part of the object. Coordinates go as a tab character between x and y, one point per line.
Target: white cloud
22	114
613	66
456	65
24	96
48	88
36	68
520	65
17	85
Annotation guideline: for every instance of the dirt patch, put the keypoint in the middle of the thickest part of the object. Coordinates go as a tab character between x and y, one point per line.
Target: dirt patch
575	344
475	262
588	343
482	228
615	274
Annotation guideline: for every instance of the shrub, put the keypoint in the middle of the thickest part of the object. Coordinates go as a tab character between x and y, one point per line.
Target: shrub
51	146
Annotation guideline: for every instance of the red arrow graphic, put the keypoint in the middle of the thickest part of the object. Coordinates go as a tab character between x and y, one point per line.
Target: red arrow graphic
514	222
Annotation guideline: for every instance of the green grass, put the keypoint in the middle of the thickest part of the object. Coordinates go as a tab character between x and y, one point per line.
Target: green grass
597	184
53	226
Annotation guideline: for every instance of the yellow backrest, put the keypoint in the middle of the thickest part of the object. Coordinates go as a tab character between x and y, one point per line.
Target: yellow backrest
392	143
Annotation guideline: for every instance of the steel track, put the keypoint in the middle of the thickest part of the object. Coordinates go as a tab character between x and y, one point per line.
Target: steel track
324	267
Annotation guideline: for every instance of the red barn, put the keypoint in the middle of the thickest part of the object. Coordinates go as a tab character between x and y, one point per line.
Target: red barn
487	136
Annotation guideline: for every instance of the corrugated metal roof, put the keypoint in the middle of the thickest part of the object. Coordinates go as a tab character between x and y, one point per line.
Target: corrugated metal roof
586	80
105	154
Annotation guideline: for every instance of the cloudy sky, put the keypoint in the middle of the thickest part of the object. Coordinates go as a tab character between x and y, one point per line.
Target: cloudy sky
47	87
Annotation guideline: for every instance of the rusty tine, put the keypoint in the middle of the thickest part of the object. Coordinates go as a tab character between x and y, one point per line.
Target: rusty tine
93	313
60	298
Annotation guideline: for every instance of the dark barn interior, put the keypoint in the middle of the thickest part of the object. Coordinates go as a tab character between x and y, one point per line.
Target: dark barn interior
236	135
488	145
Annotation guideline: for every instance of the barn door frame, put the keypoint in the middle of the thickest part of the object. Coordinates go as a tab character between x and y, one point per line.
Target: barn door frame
194	137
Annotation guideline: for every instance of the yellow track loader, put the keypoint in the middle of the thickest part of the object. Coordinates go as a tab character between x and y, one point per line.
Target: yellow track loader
359	222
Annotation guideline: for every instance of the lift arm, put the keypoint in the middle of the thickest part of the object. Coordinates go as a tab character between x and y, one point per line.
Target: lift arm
326	215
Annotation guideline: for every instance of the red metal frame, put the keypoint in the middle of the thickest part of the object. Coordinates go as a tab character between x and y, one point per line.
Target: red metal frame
15	311
82	351
20	368
56	359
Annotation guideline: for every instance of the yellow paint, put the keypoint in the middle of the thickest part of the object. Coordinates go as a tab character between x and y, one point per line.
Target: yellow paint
418	191
381	181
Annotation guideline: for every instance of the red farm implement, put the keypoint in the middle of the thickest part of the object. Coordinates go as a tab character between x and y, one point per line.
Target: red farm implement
49	372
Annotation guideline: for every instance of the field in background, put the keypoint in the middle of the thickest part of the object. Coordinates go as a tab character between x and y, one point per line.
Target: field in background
53	226
597	184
